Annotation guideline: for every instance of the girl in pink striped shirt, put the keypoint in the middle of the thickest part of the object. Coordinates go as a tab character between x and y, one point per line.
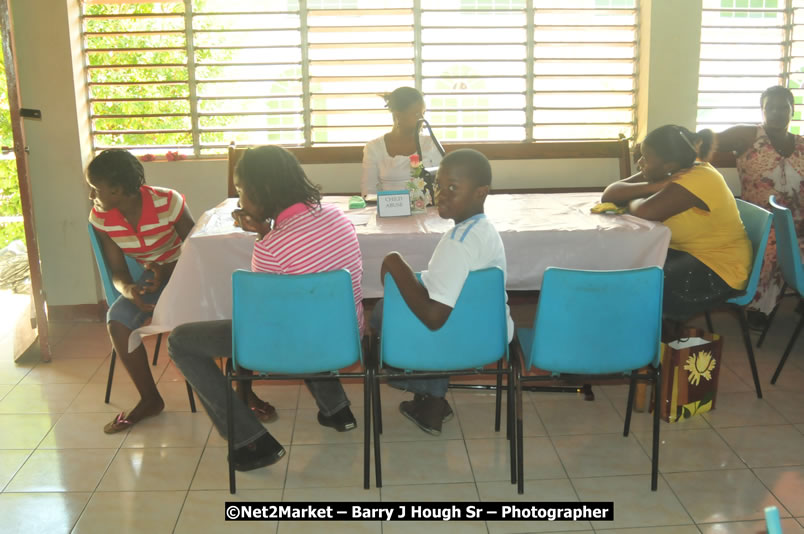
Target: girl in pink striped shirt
297	234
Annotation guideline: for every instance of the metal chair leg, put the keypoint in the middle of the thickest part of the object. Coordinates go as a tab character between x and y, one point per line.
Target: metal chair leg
657	395
749	350
111	375
520	459
511	416
230	433
770	319
498	397
375	393
190	396
787	350
509	420
156	349
367	430
630	406
378	404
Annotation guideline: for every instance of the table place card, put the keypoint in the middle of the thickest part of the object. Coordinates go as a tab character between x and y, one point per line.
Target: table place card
393	203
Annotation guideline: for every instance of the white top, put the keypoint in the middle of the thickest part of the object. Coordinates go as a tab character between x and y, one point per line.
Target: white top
382	172
472	245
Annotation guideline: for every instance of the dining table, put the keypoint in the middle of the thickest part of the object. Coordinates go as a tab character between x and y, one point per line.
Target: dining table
537	230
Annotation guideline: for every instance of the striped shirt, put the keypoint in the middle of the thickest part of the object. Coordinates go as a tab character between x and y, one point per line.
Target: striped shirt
308	240
155	239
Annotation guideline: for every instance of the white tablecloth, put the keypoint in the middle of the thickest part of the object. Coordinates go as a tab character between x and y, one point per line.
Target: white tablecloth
537	230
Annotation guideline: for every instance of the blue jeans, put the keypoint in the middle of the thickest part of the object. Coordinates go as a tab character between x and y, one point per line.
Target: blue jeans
193	347
127	313
435	387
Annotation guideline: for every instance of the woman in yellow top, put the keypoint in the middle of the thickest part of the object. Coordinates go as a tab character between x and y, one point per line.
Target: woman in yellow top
710	255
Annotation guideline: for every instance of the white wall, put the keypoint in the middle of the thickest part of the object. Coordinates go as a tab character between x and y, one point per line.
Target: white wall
670	35
46	55
51	79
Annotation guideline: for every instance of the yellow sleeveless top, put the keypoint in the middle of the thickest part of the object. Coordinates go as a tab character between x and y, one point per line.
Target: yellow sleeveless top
716	237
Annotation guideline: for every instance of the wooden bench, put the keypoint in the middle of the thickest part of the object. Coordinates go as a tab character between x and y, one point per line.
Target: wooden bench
602	149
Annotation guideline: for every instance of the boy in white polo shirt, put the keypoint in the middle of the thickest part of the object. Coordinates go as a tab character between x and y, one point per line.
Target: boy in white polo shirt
464	179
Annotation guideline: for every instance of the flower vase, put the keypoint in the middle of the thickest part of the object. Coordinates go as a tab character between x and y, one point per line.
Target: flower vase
419	197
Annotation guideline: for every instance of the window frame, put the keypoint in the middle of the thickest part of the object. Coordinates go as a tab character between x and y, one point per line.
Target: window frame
788	9
193	99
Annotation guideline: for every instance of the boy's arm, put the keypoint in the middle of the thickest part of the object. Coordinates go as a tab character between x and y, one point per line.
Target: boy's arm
430	312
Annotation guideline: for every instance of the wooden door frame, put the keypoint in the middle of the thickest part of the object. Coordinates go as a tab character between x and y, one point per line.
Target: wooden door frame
24	177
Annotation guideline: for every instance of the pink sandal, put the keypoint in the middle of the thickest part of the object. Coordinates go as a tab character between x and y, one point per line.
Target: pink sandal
119	424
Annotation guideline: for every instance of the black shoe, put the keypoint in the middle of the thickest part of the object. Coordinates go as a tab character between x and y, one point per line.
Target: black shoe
427	412
342	421
260	453
447	413
756	320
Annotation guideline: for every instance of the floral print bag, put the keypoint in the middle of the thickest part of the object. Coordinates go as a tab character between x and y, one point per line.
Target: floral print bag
690	371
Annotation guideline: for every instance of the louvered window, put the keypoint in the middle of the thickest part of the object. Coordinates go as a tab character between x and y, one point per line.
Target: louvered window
194	75
746	47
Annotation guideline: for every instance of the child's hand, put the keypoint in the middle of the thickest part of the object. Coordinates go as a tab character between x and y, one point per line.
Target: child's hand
249	223
134	293
161	274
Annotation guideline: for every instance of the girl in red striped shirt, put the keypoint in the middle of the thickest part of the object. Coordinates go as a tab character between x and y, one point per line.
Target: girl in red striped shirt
148	224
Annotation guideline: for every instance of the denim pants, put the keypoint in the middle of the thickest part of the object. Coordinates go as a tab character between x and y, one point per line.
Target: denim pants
125	312
435	387
193	347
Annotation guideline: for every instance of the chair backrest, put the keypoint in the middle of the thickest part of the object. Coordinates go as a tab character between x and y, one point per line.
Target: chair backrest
757	223
109	291
475	334
597	322
305	323
788	252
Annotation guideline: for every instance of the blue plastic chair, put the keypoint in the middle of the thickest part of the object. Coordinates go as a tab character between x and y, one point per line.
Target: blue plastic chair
111	294
788	256
597	323
773	523
295	326
757	223
475	335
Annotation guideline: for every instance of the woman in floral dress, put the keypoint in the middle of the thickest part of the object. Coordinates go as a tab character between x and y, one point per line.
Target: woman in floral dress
770	161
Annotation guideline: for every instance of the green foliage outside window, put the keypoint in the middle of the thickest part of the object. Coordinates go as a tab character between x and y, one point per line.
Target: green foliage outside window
166	83
10	205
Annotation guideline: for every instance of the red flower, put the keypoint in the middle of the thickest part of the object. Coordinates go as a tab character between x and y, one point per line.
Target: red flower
174	156
147	157
414	160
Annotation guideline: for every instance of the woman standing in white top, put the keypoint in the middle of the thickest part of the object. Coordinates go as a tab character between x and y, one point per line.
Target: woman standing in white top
386	160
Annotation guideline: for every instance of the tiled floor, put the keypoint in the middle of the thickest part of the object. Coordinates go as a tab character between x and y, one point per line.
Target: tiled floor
60	473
